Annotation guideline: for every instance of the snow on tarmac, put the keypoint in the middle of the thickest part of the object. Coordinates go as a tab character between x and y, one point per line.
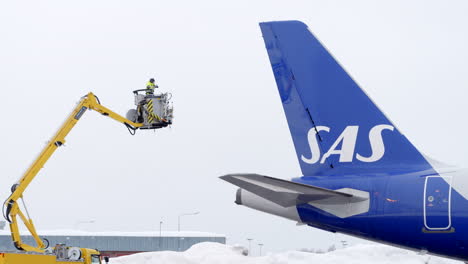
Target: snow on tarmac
214	253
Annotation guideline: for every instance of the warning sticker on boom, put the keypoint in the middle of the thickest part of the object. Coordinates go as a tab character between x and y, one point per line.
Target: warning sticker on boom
80	113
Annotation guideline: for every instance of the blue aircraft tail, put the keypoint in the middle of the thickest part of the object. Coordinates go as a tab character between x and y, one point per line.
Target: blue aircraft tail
336	128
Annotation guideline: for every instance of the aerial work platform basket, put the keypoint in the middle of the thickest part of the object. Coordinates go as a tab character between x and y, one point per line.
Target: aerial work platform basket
153	110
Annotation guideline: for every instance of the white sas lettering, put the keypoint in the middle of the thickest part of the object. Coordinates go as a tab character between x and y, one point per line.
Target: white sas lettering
314	146
347	139
377	144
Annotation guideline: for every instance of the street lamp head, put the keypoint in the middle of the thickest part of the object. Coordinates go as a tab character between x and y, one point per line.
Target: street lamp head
77	223
178	223
194	213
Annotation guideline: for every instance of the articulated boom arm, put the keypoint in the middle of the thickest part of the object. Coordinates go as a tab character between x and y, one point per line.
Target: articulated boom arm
90	101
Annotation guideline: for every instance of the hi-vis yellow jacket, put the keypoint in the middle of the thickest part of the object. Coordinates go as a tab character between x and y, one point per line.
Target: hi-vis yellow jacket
150	86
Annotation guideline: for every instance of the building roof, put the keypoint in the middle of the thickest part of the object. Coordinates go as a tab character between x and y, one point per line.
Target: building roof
67	232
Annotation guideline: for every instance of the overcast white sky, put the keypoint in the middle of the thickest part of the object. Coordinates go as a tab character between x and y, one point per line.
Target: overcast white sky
409	56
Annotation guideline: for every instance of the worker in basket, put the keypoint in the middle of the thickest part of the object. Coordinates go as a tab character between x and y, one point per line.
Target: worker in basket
150	86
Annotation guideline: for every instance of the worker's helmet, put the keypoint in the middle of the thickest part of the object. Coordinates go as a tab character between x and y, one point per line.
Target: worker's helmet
152	80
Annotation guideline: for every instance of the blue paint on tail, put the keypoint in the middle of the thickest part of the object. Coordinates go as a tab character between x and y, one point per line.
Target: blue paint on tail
336	128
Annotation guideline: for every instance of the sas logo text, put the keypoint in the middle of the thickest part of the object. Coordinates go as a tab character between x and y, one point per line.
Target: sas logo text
347	139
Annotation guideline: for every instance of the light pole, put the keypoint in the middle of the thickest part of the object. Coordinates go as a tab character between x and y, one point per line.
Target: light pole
250	242
260	245
178	223
84	222
178	227
160	233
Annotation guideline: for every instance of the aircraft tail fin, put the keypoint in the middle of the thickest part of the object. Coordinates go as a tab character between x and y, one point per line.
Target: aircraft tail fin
335	126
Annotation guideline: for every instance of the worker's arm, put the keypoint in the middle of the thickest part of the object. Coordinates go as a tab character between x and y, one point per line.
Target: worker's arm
13	210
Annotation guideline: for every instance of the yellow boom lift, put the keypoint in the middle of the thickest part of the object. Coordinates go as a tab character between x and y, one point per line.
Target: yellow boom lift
152	112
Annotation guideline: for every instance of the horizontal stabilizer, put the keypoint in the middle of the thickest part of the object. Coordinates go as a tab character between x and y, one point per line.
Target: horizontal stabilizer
282	192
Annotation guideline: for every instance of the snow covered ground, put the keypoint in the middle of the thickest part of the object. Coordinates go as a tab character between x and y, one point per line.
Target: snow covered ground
214	253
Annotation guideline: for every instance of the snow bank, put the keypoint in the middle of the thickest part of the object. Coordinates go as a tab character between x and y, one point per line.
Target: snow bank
214	253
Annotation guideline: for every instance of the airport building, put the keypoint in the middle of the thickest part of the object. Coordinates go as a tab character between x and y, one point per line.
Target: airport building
114	244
